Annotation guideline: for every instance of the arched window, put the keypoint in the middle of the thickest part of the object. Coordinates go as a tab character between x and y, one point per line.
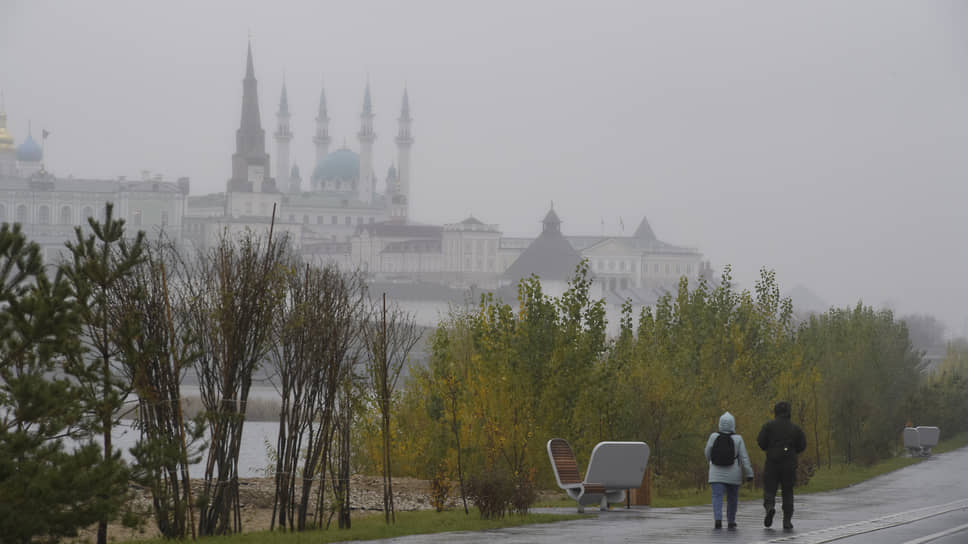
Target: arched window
21	213
164	219
43	215
136	218
66	216
3	213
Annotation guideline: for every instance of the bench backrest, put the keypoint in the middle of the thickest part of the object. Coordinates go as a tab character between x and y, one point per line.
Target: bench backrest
563	462
929	436
912	438
618	465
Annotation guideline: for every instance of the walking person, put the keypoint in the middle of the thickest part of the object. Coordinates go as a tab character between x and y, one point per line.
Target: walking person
728	463
782	440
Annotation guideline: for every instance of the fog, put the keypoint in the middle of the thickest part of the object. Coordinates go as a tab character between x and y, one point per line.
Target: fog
825	140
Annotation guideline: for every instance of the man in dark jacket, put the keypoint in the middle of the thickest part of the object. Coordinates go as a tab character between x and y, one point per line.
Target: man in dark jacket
782	441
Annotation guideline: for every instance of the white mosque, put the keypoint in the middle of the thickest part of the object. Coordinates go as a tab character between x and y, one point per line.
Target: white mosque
321	213
342	213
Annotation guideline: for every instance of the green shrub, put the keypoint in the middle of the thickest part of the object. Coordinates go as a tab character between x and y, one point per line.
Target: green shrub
439	490
524	494
491	492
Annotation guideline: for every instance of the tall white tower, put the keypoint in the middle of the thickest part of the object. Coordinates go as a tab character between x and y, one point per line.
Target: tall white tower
366	136
322	139
404	142
283	137
8	153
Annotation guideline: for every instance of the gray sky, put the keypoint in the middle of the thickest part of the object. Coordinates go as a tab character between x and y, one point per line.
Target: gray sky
826	140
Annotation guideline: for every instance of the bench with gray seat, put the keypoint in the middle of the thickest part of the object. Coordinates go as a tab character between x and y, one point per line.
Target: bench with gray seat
912	441
919	440
929	438
612	468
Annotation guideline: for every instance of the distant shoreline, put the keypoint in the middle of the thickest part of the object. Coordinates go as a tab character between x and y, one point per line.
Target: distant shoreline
259	408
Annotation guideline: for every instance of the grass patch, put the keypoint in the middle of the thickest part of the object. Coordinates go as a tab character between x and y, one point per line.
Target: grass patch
370	527
957	441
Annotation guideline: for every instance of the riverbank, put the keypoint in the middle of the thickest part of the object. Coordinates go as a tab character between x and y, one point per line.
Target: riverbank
256	497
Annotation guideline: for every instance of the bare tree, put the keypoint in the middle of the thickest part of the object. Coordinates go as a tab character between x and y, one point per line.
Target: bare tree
314	350
155	363
349	395
390	335
232	295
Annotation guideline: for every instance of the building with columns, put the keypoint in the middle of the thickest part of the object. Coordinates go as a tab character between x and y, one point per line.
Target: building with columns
49	207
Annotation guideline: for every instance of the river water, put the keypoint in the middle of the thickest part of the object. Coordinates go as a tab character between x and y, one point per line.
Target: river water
253	455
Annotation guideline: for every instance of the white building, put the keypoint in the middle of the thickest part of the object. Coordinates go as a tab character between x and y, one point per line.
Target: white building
49	207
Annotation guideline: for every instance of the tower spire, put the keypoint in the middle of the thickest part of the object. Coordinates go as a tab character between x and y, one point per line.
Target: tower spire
249	69
250	162
250	97
367	103
405	107
284	99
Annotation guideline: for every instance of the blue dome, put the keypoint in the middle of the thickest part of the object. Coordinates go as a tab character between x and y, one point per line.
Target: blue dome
341	164
29	151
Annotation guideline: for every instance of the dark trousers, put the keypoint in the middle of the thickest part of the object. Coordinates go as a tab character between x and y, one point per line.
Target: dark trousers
783	476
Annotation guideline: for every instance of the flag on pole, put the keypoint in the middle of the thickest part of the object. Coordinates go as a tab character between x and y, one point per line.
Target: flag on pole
44	134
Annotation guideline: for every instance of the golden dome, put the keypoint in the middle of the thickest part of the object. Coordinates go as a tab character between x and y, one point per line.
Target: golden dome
6	140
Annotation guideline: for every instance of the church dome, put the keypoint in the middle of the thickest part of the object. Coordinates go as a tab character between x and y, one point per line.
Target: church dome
29	151
341	164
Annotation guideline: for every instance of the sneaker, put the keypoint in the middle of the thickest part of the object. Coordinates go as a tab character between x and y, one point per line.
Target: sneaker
732	525
768	520
719	524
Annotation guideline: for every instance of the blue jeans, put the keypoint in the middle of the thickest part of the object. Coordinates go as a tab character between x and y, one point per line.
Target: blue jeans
732	500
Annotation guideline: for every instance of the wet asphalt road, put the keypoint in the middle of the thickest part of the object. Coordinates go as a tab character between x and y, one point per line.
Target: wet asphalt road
927	502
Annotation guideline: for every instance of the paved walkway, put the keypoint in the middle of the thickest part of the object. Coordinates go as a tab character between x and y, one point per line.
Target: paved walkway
930	490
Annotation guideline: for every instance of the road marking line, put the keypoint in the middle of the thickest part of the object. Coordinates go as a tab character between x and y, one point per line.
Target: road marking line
938	535
830	534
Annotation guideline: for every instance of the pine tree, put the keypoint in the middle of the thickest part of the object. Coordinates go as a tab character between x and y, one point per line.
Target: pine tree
45	491
101	260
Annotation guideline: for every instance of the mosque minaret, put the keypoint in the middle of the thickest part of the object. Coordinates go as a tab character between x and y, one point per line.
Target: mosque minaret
367	137
283	137
322	139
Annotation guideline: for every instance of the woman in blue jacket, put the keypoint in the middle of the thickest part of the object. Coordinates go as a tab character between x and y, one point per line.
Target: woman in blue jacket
726	479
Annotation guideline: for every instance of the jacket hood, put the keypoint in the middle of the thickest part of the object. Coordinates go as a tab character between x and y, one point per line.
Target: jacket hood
727	423
782	409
